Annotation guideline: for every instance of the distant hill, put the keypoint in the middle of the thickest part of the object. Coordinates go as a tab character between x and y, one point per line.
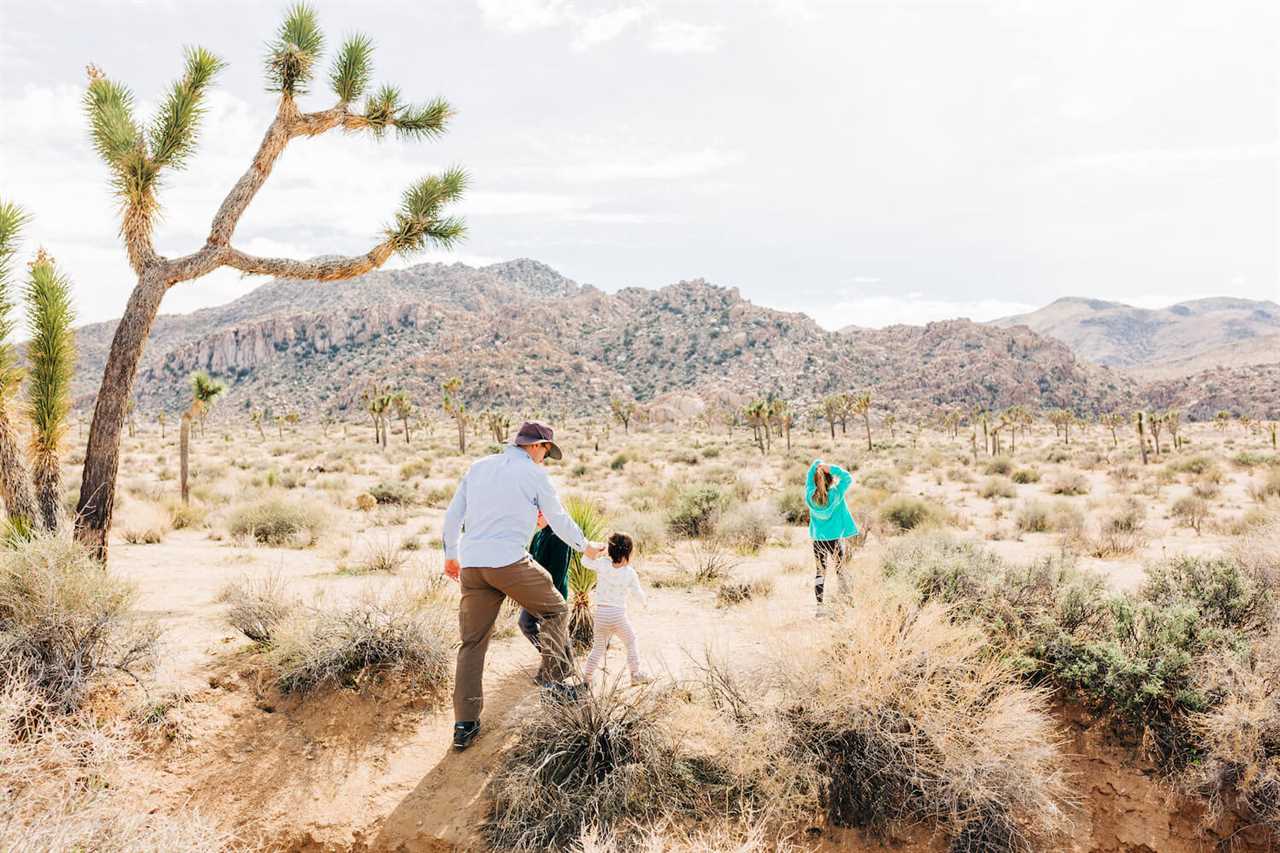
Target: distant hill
522	335
1182	339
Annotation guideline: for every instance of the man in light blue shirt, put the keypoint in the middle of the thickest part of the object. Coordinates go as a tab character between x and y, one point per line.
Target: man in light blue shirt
486	533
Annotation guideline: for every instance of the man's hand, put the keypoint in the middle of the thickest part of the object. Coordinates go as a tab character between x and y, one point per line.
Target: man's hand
451	569
593	550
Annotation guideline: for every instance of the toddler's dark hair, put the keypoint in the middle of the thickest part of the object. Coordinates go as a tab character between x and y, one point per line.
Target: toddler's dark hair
620	545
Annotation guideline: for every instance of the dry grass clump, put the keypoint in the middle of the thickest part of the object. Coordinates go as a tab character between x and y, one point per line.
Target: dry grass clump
609	763
315	648
1069	483
998	487
143	535
696	511
385	557
1190	511
57	790
1022	476
906	718
747	527
256	606
1121	531
276	521
64	622
731	593
394	494
1266	488
1032	517
706	562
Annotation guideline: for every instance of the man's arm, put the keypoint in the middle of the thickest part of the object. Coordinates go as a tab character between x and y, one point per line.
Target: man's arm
560	521
453	529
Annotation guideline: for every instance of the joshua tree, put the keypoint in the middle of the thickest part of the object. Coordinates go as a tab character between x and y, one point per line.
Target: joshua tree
756	415
161	418
138	157
1271	427
1062	421
292	418
890	420
280	426
256	417
498	424
1222	420
128	410
623	410
32	496
456	408
1113	421
204	391
832	406
783	419
861	406
1139	419
1156	423
403	407
326	423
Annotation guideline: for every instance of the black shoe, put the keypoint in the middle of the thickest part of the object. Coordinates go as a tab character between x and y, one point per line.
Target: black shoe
464	733
561	692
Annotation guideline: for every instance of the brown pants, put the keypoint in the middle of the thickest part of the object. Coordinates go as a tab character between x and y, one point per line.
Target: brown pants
483	591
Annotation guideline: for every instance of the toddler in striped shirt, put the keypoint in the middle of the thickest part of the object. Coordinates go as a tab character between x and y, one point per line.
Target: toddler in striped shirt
615	581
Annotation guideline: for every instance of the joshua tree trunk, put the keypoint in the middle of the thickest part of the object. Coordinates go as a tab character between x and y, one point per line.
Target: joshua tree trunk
15	480
1142	438
184	455
866	421
405	420
833	429
462	435
102	454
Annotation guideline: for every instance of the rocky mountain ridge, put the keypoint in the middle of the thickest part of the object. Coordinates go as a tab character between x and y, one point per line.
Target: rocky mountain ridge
522	336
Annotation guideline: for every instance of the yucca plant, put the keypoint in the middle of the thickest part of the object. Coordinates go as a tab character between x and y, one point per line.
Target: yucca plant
32	496
582	580
204	391
140	155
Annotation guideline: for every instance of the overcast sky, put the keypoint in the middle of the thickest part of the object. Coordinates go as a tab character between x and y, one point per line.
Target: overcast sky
868	162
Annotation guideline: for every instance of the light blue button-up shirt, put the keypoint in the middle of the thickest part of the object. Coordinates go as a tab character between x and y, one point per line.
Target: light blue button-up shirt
494	512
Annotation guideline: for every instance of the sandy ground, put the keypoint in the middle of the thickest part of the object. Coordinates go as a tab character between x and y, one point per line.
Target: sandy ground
372	768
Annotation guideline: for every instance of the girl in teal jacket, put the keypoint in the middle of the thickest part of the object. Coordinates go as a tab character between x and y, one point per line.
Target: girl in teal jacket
830	523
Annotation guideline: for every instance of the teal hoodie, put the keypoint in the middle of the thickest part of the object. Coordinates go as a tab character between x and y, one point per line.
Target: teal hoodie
833	520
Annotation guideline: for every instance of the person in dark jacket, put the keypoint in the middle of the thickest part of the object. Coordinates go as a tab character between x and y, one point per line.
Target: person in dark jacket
549	551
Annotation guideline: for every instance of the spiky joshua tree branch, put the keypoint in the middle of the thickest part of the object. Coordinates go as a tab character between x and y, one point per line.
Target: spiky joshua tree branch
138	156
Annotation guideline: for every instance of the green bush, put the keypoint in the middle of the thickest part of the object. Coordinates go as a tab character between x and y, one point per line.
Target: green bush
1033	517
1000	466
275	521
696	511
394	494
618	462
1026	475
904	512
792	507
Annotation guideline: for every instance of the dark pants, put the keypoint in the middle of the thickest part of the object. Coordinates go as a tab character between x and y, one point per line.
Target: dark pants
530	626
830	556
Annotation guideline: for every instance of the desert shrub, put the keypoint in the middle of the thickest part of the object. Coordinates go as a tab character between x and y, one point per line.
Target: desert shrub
312	649
618	462
706	562
395	494
275	521
903	512
1032	517
1252	459
686	457
255	606
792	507
185	516
998	487
1196	465
1206	488
59	789
366	502
1000	466
1121	530
1266	488
143	535
903	718
738	592
383	557
1069	483
648	529
747	526
1190	511
610	763
885	481
696	511
415	468
438	497
64	622
1026	475
1221	591
941	567
1056	456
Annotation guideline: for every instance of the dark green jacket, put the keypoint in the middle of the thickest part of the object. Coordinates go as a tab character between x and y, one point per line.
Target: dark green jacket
549	551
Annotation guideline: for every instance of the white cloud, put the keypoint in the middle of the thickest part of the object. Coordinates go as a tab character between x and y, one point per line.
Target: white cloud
599	166
589	28
684	37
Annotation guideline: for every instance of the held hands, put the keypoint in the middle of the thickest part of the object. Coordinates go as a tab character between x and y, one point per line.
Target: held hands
593	550
451	569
